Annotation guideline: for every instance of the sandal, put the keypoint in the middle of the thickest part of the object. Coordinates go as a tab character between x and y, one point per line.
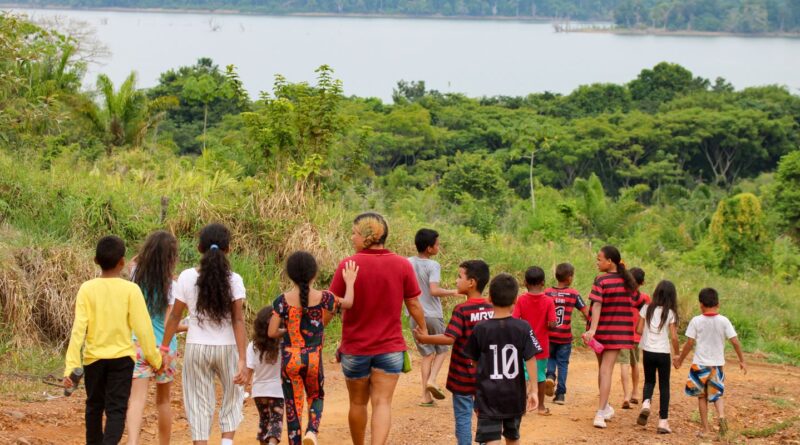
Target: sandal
435	391
644	414
634	401
544	412
426	404
626	405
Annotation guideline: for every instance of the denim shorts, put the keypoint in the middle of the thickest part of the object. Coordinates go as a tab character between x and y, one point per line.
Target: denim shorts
361	366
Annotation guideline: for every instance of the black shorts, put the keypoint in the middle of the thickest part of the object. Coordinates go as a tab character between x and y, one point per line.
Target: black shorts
493	429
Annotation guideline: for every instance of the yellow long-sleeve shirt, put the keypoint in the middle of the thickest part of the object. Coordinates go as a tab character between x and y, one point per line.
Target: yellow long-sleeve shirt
106	311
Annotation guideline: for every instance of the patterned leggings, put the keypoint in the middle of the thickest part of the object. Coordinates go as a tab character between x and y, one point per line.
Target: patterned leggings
270	418
302	371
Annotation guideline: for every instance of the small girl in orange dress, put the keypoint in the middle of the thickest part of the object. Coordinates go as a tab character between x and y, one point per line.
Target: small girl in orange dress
304	311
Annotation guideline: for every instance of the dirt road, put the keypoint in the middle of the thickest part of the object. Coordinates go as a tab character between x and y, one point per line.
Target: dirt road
765	397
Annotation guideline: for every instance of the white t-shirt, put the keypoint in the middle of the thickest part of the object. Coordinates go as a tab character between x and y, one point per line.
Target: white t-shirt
266	376
653	339
207	333
710	332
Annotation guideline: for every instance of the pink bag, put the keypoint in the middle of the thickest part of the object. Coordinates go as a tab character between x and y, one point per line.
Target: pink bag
596	346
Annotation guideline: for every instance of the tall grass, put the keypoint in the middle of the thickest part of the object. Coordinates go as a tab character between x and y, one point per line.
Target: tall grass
55	215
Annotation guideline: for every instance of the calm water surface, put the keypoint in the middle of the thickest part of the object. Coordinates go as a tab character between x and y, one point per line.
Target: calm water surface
370	55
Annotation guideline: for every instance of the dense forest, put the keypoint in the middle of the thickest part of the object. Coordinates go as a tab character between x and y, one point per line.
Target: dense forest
739	16
692	178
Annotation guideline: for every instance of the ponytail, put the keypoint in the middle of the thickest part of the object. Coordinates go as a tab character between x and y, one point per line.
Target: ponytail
302	268
214	293
612	253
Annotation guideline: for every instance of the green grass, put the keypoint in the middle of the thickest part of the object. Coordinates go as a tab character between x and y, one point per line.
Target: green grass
753	433
122	195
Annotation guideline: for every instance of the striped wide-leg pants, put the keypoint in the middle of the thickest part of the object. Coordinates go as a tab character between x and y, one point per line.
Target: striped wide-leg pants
200	365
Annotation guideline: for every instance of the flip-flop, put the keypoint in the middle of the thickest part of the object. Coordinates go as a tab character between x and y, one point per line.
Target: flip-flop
626	405
435	391
634	401
426	404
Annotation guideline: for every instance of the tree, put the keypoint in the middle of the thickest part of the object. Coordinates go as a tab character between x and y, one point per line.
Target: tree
123	115
787	193
737	231
663	83
474	174
211	95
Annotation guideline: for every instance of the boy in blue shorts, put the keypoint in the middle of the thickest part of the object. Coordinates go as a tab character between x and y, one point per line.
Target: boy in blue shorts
473	276
502	347
706	376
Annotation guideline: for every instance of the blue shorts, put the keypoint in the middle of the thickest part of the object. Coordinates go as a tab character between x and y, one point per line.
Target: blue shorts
361	366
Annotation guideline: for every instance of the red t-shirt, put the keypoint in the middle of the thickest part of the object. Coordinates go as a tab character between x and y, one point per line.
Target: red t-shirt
615	327
639	299
537	310
372	326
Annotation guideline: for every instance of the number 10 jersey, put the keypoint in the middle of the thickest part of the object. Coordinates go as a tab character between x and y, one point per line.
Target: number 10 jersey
500	347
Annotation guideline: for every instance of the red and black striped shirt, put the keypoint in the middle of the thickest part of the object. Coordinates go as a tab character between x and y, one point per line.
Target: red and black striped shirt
462	374
615	327
566	299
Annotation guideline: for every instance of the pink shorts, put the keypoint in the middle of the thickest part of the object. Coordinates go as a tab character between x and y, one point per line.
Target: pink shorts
143	370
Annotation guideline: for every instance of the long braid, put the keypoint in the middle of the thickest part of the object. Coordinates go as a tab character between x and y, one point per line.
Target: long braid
304	291
302	268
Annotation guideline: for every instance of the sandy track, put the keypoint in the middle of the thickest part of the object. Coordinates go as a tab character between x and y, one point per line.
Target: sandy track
767	395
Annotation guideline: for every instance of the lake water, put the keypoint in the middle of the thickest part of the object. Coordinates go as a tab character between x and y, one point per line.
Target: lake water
370	55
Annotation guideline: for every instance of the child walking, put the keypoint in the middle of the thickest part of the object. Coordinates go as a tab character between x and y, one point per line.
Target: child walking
629	360
658	326
501	347
153	271
264	371
611	322
304	311
706	377
473	276
566	299
108	310
216	340
429	275
540	312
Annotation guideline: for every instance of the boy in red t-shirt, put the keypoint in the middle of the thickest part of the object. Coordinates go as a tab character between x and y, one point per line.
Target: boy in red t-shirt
473	276
566	299
540	312
629	360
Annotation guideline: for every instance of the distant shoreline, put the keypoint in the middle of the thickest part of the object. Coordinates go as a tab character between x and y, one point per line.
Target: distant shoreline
559	25
681	33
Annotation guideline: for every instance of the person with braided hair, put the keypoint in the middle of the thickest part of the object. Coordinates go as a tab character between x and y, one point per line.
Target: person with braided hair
611	322
303	312
373	346
216	341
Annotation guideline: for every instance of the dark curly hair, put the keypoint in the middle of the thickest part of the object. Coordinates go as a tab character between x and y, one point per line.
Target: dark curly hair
155	265
266	348
214	293
612	253
301	267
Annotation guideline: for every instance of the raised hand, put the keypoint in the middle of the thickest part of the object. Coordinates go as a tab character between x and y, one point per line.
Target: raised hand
350	272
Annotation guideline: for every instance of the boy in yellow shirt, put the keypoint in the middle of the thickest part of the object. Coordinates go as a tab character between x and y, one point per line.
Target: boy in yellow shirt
107	311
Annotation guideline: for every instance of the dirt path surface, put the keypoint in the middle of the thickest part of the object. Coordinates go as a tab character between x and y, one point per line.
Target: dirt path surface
766	397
